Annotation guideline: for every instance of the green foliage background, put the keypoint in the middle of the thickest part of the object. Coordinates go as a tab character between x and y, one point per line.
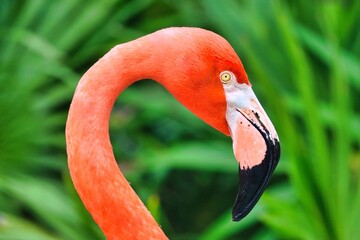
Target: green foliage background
303	58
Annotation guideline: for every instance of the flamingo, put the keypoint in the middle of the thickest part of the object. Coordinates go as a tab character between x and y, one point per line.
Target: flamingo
202	71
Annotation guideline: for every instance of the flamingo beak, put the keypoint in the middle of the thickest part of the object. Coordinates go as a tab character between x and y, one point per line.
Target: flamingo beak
255	143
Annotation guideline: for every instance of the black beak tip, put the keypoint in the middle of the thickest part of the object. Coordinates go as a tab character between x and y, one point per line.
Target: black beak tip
236	217
254	181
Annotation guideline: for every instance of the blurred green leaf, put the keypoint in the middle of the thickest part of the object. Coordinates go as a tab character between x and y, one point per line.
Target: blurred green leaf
10	225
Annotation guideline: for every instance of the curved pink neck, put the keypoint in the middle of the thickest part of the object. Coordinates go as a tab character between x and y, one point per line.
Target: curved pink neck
105	192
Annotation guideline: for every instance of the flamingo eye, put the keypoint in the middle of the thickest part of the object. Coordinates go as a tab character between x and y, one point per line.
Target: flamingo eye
225	77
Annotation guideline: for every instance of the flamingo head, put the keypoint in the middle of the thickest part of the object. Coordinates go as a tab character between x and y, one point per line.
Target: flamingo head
209	79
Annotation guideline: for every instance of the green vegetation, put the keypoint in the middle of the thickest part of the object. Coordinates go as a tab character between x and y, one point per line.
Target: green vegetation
303	58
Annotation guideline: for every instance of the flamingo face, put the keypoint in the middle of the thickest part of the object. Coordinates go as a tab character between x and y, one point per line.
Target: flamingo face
255	142
212	83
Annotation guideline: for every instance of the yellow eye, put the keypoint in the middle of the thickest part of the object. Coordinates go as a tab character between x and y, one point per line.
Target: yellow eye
225	77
